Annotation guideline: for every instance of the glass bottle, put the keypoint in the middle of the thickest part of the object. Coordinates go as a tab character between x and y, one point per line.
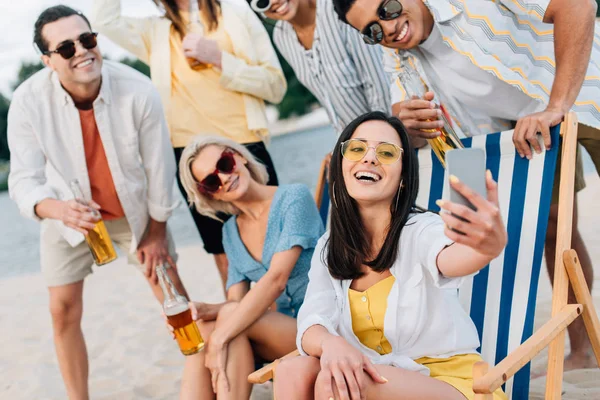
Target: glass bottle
195	26
178	313
447	140
98	239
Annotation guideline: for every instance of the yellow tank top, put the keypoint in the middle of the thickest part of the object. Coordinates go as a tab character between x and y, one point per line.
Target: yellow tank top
368	313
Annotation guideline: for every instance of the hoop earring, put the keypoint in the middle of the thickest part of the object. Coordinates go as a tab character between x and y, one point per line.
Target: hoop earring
333	195
398	194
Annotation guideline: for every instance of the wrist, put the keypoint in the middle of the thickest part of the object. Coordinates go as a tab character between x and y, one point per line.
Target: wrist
156	227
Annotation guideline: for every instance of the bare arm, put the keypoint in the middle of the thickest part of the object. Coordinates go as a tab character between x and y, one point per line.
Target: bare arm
573	38
256	302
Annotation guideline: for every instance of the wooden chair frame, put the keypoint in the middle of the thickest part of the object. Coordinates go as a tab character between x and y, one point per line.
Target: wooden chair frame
567	269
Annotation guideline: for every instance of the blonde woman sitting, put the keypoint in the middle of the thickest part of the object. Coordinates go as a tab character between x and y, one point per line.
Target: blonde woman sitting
270	241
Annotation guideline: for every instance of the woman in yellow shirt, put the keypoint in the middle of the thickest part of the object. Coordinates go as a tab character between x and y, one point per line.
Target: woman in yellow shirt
381	319
214	67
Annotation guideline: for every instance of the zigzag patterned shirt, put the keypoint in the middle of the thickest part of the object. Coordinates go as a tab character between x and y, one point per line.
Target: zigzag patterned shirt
508	40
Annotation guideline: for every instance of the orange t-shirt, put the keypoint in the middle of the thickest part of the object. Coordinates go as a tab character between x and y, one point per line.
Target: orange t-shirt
101	182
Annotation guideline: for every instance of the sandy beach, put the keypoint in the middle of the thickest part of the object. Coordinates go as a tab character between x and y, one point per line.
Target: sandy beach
131	353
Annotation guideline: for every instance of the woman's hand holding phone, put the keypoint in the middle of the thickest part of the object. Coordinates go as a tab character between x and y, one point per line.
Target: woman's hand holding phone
480	228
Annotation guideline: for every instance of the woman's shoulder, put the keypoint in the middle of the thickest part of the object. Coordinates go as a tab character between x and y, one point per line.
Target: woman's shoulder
295	193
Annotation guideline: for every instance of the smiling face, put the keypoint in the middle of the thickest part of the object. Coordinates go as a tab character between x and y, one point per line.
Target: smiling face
405	32
283	10
234	185
368	181
85	67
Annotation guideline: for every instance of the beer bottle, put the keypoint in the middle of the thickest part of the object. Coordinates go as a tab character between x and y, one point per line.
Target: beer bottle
447	139
98	238
179	315
195	26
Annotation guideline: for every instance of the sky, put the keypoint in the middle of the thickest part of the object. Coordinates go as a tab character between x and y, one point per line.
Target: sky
16	32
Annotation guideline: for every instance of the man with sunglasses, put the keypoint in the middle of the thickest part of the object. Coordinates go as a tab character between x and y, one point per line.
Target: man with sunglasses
496	65
101	123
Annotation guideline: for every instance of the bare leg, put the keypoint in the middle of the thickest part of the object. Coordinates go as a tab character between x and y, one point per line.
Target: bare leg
272	336
295	378
174	275
412	385
66	308
222	265
581	355
195	383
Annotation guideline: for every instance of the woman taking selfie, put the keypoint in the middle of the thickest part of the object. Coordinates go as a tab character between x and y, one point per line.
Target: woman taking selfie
269	240
378	319
214	67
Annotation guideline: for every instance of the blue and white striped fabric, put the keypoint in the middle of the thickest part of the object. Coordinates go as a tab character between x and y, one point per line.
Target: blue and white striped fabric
501	298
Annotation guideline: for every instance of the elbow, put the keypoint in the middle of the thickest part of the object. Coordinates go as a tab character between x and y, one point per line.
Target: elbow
279	88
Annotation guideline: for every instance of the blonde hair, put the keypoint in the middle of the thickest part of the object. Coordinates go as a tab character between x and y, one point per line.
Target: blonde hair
204	204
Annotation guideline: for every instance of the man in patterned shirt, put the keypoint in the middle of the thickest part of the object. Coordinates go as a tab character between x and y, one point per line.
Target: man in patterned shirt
496	65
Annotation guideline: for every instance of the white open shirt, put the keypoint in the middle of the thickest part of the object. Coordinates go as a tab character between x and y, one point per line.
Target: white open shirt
423	315
46	146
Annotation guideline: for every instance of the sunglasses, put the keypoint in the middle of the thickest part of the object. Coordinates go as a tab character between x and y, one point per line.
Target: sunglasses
260	5
67	48
373	33
356	150
212	183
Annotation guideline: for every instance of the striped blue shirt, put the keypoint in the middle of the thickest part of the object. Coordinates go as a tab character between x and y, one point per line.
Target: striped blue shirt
509	40
344	74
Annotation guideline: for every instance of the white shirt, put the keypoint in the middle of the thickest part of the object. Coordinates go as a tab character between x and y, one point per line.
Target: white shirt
472	93
423	316
344	74
46	145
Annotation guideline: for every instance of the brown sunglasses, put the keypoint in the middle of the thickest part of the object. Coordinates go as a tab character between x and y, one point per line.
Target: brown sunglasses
67	49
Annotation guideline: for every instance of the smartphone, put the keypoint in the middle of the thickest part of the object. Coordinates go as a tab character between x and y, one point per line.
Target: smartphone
468	165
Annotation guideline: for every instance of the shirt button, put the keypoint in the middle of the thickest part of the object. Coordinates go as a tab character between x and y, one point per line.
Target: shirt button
364	299
379	348
368	317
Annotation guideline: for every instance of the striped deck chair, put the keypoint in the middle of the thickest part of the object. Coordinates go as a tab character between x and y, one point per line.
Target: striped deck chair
501	297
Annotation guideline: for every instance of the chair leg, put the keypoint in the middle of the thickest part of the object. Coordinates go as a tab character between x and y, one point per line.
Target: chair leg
582	293
480	369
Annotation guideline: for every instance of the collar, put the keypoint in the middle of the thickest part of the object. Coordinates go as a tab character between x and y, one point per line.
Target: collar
442	10
64	98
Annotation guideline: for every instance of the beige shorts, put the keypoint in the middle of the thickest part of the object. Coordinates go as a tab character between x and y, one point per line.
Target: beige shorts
63	264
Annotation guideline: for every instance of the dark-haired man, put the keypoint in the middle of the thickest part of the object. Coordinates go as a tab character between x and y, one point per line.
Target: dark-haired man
100	123
494	64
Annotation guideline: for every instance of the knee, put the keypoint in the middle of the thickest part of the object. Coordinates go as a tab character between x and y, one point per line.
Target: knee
298	372
227	309
65	314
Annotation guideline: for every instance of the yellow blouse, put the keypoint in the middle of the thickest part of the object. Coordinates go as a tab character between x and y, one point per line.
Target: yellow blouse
200	103
368	313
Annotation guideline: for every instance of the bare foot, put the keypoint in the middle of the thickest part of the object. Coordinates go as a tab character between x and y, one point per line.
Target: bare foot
580	361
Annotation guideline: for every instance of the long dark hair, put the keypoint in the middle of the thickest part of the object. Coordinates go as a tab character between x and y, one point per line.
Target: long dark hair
210	9
348	247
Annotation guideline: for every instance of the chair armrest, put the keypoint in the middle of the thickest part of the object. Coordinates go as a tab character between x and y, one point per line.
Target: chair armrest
266	373
500	373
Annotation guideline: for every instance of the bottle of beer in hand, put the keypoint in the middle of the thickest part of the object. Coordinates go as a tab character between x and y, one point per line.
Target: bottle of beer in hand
195	26
98	238
447	139
179	315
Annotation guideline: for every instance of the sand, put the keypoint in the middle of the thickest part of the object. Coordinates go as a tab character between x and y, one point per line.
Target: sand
131	353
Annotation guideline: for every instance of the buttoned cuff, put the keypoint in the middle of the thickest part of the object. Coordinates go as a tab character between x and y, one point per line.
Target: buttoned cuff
33	198
161	213
230	67
309	321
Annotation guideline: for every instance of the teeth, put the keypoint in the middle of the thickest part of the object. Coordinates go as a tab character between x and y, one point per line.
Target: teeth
369	175
282	8
403	32
84	64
